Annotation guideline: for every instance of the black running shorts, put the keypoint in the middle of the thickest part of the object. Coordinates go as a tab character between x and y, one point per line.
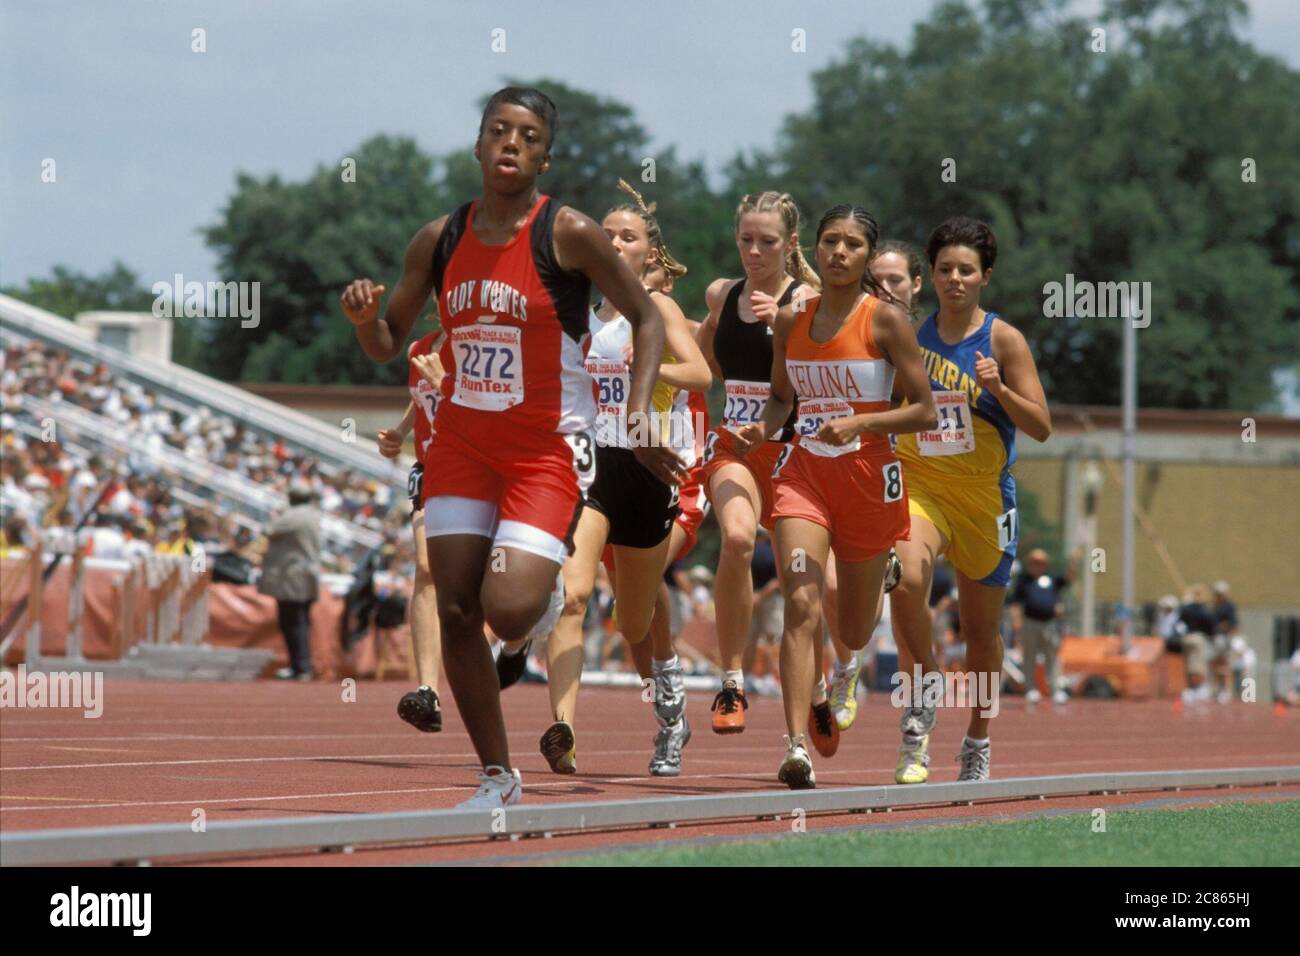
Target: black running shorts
641	509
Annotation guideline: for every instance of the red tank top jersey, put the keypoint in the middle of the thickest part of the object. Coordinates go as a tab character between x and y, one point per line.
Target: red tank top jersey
844	376
517	335
423	394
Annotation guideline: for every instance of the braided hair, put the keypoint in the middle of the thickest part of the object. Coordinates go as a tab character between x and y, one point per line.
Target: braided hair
868	223
659	254
783	205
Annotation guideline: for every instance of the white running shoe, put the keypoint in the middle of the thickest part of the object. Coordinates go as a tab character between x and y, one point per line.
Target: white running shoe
974	762
500	789
553	611
796	769
1033	696
1060	698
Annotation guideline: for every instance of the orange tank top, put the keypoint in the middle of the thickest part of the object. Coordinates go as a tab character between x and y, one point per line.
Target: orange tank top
844	376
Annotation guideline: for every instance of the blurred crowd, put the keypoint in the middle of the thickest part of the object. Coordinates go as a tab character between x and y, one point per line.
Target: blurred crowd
47	484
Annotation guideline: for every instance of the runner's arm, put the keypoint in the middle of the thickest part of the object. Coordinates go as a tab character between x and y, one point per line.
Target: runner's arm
893	333
780	401
390	439
714	297
690	371
382	338
581	245
1012	377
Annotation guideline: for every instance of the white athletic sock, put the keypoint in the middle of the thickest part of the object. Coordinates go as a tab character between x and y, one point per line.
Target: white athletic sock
736	677
977	744
664	665
819	691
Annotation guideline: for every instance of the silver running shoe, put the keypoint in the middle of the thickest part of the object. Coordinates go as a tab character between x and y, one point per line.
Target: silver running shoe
893	571
974	762
670	693
667	761
918	721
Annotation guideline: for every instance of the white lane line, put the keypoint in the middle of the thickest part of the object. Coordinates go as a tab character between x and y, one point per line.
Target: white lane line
567	782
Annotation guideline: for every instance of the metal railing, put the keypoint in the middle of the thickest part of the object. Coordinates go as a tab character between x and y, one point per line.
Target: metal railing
98	431
194	389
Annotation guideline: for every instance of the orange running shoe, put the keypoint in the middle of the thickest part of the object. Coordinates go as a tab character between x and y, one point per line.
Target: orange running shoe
823	729
729	709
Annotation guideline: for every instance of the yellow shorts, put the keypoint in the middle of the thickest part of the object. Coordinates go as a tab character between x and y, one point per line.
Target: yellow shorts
978	519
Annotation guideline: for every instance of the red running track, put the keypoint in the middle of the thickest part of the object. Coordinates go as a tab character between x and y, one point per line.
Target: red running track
266	749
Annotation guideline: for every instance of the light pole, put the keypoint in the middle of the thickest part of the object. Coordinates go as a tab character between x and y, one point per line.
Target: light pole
1092	482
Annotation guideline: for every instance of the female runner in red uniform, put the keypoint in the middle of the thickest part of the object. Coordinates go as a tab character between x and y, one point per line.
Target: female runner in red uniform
512	271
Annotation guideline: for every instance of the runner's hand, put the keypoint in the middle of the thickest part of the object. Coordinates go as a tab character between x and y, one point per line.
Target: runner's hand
749	437
839	431
390	442
764	306
430	368
661	462
990	378
360	301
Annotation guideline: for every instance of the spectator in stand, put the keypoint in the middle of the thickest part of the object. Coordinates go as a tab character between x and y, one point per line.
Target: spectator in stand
13	537
1036	610
291	575
1225	630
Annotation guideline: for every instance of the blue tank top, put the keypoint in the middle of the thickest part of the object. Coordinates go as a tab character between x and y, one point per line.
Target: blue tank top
976	438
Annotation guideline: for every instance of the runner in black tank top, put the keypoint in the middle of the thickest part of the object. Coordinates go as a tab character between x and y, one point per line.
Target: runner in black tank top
743	350
737	339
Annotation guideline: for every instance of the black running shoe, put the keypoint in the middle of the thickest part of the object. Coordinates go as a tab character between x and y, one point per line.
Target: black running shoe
511	667
420	709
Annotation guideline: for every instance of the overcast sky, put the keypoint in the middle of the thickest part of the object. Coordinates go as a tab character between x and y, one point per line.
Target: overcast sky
148	136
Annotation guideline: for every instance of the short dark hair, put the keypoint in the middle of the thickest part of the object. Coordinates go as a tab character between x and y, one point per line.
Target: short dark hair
964	231
535	101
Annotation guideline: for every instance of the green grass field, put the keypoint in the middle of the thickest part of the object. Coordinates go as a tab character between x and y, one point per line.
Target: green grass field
1231	834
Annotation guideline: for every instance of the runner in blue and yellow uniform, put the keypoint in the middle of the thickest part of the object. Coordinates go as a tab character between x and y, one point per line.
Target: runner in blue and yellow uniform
961	494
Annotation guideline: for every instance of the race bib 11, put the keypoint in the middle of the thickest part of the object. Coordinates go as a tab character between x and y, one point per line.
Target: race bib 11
956	432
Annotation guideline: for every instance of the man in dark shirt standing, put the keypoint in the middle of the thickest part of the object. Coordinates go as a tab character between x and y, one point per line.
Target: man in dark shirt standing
1035	603
1196	621
1225	629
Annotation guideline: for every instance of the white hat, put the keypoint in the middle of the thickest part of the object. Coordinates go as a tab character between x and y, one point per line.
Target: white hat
1220	587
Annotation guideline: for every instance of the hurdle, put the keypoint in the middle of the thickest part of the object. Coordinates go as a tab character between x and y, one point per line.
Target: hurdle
143	844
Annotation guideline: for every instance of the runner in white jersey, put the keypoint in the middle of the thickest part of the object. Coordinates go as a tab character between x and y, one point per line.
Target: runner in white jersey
628	507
